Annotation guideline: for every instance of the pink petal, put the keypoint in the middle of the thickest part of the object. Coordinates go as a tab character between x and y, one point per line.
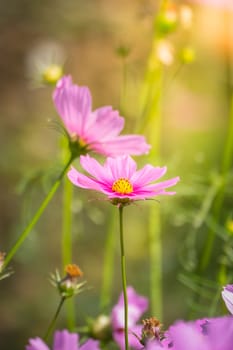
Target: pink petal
105	124
36	344
161	185
120	167
63	340
137	305
90	345
147	174
119	337
227	296
73	104
96	170
83	181
123	145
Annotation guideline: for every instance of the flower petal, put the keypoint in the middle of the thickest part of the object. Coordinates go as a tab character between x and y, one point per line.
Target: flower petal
63	340
147	174
90	345
83	181
96	170
73	104
121	167
227	295
161	185
119	337
123	145
36	344
137	305
104	124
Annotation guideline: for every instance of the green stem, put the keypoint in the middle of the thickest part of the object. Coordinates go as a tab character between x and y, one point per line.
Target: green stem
37	215
67	244
123	275
108	266
67	223
52	323
155	248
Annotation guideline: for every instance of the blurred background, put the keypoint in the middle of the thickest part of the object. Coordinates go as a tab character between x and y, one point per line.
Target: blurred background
111	47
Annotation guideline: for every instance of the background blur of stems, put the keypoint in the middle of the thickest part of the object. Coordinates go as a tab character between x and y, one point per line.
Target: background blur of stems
190	139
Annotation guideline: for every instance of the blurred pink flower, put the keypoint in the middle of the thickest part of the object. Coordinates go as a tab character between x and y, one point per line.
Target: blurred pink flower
227	295
119	179
98	131
137	305
63	340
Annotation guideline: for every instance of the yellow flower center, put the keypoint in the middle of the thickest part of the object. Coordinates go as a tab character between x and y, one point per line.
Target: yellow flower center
122	186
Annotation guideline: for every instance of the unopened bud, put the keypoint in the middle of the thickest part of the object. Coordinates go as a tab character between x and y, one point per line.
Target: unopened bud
101	328
68	285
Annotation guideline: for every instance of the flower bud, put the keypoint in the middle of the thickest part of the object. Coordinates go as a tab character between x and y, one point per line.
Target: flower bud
68	285
101	328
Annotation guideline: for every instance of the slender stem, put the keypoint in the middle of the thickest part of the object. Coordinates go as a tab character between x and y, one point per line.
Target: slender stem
155	249
67	223
123	275
36	216
67	243
108	262
52	323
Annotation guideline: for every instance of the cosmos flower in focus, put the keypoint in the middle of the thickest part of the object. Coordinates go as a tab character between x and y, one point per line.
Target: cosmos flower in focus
137	305
97	130
120	180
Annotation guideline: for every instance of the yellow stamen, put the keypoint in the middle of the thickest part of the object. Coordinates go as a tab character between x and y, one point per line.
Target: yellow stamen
73	270
122	186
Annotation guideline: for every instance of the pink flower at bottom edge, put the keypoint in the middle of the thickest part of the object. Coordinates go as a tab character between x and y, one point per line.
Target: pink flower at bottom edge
119	179
97	130
63	340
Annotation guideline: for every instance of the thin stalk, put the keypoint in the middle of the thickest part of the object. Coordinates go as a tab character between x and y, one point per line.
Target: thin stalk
155	252
123	275
36	216
52	323
67	223
108	266
67	244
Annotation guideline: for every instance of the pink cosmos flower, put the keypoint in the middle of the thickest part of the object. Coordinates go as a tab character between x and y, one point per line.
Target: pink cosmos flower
227	295
137	305
97	130
119	179
63	340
